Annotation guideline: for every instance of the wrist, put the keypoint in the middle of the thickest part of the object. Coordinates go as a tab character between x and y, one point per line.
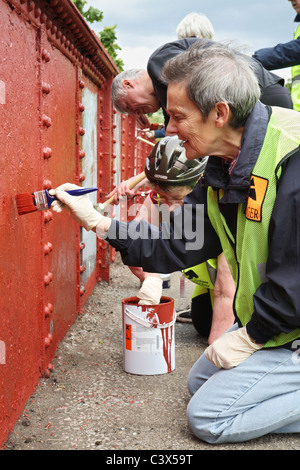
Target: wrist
102	226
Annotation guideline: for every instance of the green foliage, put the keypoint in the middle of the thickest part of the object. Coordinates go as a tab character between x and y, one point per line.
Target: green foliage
107	36
157	117
91	14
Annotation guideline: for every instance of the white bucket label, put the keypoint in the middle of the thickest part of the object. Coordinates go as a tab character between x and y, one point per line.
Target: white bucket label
138	339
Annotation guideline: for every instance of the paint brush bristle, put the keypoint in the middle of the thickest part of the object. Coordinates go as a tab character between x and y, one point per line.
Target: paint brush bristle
26	203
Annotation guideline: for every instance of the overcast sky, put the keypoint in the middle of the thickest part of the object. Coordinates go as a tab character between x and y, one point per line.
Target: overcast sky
144	25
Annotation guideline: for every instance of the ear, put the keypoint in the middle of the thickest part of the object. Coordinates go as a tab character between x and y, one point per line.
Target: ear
128	84
222	113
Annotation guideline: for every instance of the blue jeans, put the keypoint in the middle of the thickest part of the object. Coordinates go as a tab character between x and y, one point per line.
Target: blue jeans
259	396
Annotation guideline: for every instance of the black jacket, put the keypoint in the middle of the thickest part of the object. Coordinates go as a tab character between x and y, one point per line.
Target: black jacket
159	58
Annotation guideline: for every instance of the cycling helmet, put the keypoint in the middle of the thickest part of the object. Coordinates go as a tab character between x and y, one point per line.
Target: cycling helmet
167	164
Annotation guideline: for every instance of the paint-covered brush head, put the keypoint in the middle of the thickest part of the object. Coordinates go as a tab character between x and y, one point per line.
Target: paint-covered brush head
31	202
41	200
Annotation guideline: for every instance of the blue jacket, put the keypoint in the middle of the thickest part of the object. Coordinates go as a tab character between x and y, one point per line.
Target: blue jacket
280	56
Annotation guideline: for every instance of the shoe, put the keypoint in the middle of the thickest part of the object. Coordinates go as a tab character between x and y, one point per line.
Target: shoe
184	316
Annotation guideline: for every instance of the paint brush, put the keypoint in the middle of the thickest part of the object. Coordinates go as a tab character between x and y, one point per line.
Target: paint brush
41	200
102	206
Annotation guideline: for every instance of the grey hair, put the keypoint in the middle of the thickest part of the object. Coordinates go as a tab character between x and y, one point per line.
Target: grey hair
117	89
216	73
195	25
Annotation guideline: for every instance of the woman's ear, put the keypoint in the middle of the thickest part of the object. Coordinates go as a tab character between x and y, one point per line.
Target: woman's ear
222	114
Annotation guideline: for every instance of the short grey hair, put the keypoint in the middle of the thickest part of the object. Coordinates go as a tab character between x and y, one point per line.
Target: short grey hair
118	91
216	73
195	25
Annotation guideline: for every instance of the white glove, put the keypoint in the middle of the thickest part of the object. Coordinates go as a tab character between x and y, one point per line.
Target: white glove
150	291
231	349
80	208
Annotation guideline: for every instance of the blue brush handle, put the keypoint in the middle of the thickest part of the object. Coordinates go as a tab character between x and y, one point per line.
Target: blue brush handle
72	192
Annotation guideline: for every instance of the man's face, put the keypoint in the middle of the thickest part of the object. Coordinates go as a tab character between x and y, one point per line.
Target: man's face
137	99
187	123
296	5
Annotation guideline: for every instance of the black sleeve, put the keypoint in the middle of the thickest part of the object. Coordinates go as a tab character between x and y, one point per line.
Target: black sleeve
188	239
277	301
156	63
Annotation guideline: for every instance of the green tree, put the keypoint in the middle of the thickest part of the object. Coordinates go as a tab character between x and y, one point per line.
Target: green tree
107	36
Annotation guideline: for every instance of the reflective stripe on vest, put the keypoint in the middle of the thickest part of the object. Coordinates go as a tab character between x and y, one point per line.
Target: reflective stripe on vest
247	253
295	71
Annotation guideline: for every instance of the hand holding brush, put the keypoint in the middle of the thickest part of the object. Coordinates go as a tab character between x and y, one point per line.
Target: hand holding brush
80	208
42	200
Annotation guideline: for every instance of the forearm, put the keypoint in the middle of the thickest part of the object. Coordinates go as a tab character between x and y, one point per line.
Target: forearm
280	56
141	244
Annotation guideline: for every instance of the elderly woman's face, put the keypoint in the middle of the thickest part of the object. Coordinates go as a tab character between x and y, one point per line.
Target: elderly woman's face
186	122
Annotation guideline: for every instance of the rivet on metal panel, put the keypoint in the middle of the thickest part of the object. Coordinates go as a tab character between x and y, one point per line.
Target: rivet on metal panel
81	84
48	278
81	131
48	340
63	39
49	24
43	18
47	184
58	34
46	55
47	152
46	88
50	367
46	121
48	310
54	29
81	107
81	245
82	290
100	173
81	177
48	248
81	154
47	216
100	118
114	155
30	5
82	268
101	155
